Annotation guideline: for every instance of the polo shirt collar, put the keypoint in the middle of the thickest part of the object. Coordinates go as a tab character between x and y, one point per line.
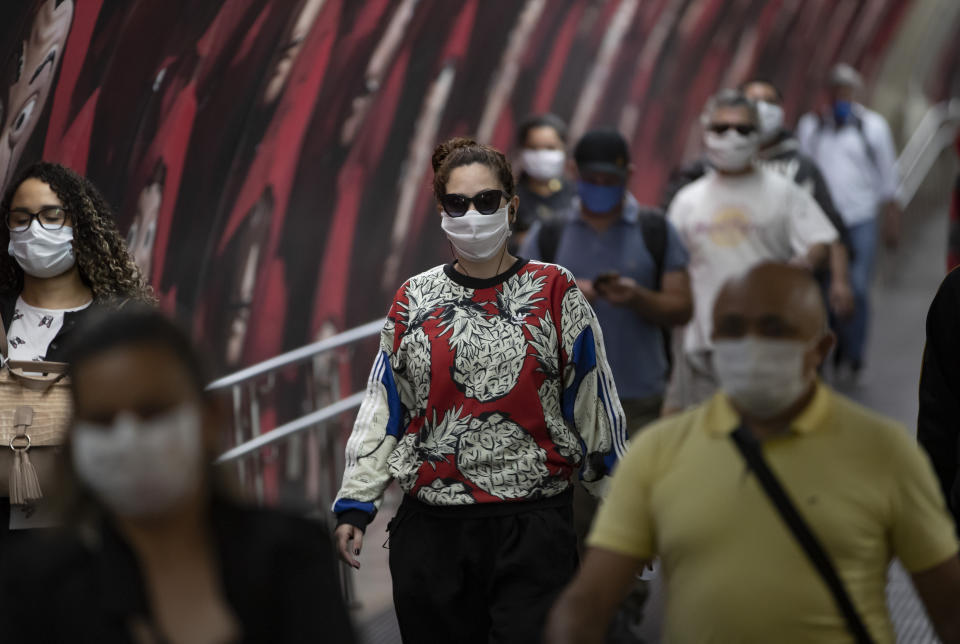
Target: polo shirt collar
719	417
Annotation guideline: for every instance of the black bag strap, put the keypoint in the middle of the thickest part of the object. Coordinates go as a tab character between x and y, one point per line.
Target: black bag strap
653	225
750	450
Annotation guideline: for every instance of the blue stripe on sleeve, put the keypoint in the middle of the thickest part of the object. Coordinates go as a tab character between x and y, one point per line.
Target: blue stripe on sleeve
395	422
584	359
349	504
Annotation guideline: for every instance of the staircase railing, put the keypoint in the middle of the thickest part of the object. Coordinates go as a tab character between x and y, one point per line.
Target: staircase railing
936	130
305	454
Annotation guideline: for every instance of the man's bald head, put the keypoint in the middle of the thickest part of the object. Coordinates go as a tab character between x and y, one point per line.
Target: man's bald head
772	301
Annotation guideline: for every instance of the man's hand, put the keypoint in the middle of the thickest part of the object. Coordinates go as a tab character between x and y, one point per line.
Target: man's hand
584	609
344	535
621	291
586	287
892	220
841	298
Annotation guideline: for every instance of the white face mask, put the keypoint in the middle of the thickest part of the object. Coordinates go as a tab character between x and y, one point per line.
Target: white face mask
771	120
543	165
475	236
730	151
43	253
762	376
141	467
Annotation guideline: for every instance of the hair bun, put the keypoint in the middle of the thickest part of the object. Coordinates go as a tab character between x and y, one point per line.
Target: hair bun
442	151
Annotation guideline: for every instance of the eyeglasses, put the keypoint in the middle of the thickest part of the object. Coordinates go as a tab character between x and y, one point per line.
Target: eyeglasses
486	202
50	218
720	128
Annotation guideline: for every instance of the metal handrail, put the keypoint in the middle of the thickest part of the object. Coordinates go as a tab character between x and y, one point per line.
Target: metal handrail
935	132
297	356
293	427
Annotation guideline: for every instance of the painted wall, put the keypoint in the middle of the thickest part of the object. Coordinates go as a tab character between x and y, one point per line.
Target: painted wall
269	159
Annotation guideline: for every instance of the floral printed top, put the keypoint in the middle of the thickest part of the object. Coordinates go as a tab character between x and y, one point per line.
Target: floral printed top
484	392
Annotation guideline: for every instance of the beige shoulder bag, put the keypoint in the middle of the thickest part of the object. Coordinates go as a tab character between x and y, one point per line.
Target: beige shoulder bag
35	410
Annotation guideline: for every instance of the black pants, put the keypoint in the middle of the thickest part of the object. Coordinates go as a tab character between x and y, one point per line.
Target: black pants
483	580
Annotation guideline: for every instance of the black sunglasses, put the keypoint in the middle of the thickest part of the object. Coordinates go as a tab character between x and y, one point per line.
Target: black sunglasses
720	128
486	202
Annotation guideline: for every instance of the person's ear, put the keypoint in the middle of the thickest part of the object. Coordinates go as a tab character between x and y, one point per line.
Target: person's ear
512	206
823	348
626	179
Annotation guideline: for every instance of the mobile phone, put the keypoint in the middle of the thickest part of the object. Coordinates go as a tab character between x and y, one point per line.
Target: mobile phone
605	278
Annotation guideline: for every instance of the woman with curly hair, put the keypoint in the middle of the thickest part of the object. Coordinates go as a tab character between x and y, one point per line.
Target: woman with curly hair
65	258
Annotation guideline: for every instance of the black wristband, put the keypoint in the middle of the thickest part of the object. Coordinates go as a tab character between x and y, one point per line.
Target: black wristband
356	518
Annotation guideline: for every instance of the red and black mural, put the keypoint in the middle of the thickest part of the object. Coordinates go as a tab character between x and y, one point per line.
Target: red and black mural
269	159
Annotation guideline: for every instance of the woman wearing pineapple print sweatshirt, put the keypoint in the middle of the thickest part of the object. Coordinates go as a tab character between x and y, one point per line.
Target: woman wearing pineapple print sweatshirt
491	389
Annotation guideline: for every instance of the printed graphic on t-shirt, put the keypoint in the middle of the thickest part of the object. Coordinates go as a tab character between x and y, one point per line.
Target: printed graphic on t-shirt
33	329
729	227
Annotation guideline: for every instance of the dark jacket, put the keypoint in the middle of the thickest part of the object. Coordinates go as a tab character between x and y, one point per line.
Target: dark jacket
784	152
278	575
58	347
534	207
938	425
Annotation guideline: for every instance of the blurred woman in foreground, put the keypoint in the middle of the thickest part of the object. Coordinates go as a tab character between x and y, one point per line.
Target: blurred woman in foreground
153	552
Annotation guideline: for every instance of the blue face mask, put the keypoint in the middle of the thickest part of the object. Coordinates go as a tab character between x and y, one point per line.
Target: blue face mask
600	199
841	111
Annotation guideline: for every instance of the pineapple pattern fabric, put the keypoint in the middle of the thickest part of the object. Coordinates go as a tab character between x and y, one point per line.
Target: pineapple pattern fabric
485	392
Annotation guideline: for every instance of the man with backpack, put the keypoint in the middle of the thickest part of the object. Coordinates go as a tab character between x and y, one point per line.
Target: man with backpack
629	262
855	151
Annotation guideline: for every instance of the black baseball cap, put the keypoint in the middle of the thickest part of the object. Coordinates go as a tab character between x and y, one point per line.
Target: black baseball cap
603	150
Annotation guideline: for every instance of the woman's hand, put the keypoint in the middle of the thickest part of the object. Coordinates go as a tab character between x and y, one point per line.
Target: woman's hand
344	535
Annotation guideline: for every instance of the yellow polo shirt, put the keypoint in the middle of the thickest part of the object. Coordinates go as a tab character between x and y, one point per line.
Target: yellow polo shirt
733	571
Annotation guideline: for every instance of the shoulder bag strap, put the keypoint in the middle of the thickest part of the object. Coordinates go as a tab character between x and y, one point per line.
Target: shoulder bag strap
3	340
752	454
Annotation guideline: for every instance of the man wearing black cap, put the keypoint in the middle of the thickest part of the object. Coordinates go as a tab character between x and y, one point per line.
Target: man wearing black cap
631	265
628	261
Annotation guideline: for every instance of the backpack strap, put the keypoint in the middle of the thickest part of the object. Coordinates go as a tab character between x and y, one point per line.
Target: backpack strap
857	123
653	225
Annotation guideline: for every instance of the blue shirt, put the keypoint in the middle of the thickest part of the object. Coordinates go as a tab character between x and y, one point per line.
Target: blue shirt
634	346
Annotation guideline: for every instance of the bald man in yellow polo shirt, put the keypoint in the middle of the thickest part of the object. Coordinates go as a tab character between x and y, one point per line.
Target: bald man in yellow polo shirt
733	570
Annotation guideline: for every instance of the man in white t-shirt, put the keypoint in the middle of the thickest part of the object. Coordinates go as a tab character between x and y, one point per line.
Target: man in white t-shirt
734	217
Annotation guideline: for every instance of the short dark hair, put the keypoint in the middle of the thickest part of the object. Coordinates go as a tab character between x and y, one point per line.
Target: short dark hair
132	326
729	98
540	120
761	81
